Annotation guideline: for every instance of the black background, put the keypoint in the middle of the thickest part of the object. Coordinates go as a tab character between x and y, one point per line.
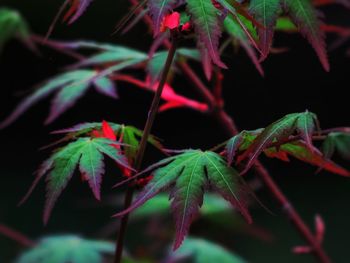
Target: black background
294	81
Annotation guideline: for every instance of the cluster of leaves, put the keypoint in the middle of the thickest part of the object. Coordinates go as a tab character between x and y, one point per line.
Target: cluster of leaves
292	135
75	249
189	174
87	143
67	248
12	25
252	23
98	71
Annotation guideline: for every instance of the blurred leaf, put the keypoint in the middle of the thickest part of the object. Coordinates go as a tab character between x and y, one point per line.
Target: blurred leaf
67	249
337	142
204	251
12	25
159	205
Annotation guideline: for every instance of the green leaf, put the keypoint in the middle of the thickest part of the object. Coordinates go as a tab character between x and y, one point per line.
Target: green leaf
235	30
85	153
302	152
159	205
12	25
110	54
67	249
302	123
206	22
337	142
284	24
204	251
188	175
128	135
240	142
305	16
266	13
69	87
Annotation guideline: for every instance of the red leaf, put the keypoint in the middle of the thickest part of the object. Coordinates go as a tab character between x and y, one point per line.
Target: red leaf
108	131
171	21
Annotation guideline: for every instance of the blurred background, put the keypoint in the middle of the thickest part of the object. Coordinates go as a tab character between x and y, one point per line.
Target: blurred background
294	81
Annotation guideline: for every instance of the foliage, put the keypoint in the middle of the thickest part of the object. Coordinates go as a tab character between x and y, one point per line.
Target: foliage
67	249
337	142
191	176
69	87
302	123
12	25
159	205
278	140
90	141
188	175
203	251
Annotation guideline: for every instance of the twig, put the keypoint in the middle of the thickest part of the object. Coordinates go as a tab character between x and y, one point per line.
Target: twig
16	236
141	151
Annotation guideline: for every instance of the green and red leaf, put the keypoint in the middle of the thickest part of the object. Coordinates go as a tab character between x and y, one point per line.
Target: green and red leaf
188	175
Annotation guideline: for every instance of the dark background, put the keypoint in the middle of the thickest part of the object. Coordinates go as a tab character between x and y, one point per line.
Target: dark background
294	82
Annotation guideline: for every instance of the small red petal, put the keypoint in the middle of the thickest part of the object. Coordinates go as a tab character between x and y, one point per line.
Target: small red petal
108	131
171	21
186	26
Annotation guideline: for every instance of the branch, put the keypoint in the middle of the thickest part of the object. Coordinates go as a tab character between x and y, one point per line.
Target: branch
145	135
16	236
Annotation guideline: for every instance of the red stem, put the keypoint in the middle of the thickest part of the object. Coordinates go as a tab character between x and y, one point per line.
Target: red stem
16	236
143	143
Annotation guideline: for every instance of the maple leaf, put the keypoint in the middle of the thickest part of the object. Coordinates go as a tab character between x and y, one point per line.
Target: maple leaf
265	12
237	18
12	25
240	142
337	142
188	175
236	31
302	123
67	248
305	17
107	53
69	87
207	25
302	152
84	153
204	251
128	135
159	205
76	10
